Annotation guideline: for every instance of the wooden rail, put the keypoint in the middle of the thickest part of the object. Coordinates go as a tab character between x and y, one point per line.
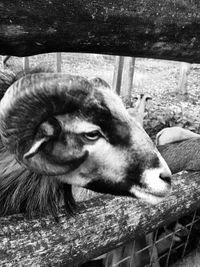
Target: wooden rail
140	28
99	225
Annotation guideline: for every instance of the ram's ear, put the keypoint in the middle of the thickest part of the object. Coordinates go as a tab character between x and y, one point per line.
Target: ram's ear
35	147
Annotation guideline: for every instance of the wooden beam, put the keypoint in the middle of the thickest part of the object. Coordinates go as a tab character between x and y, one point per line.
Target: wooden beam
140	28
98	226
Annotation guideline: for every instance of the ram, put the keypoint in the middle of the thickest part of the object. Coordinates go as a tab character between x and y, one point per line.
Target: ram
59	130
182	155
174	134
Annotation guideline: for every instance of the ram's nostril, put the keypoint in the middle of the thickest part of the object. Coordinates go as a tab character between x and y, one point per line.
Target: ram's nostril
166	178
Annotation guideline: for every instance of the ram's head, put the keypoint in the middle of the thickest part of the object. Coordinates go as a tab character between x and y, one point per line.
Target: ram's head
79	132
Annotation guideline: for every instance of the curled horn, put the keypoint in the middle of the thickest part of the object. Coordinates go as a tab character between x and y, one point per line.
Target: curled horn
29	101
29	112
36	98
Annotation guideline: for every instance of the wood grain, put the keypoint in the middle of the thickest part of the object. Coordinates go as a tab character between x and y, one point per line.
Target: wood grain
99	225
165	29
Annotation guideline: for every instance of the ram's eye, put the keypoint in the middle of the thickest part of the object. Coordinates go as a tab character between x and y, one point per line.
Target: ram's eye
92	136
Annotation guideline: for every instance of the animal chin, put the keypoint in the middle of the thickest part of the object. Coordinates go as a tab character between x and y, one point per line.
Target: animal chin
148	197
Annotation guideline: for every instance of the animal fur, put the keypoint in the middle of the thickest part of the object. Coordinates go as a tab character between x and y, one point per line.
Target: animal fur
183	155
22	190
174	134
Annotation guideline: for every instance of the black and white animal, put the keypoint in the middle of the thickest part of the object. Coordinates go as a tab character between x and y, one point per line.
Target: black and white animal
180	148
182	155
59	130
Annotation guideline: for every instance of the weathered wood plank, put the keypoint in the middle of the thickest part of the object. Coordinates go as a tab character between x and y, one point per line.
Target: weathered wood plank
140	28
99	225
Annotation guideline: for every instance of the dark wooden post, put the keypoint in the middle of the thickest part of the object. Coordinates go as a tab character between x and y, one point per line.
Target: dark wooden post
117	76
127	80
59	62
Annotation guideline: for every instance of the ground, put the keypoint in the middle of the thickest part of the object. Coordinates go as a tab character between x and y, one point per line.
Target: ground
159	78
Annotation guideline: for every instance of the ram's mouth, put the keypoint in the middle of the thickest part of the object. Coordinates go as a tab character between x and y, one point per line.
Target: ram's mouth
148	197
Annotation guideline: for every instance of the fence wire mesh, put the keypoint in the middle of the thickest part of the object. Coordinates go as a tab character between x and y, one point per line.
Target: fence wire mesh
161	248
